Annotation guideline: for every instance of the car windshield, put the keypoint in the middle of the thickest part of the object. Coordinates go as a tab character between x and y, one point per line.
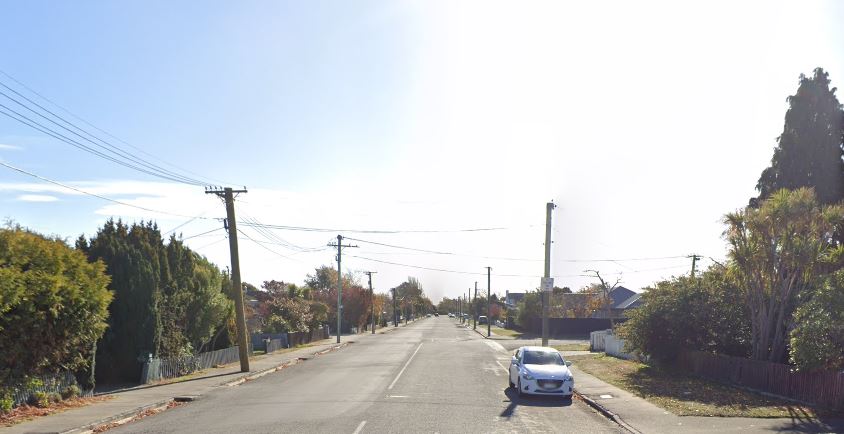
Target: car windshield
543	358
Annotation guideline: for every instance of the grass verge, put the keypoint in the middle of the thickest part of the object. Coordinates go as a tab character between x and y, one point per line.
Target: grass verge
686	395
572	347
506	332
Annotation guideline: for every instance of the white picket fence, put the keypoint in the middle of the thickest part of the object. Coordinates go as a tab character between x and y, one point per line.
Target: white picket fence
604	341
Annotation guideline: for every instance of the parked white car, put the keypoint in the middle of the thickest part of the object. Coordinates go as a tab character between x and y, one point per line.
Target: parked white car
540	371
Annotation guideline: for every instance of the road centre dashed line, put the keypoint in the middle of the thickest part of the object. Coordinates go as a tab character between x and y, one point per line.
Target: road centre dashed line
360	427
405	367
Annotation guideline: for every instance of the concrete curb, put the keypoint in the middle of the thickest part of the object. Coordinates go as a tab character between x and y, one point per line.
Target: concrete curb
605	412
252	376
128	416
120	418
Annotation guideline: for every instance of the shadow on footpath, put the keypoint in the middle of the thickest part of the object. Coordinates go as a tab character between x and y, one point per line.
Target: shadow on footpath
804	422
531	401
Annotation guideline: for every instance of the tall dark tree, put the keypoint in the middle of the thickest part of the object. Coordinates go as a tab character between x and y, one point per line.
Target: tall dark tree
809	151
168	301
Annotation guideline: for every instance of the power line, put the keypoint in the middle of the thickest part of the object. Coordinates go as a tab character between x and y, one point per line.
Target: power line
445	270
365	231
435	252
185	223
61	137
473	273
77	117
259	244
9	166
275	239
199	235
114	149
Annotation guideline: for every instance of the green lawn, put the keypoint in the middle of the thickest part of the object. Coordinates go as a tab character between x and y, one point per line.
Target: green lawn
505	332
572	347
685	395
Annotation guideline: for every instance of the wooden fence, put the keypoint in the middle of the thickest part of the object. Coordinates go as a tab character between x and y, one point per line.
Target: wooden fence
823	388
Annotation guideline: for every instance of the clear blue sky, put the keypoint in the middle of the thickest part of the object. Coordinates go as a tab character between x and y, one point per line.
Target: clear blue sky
646	122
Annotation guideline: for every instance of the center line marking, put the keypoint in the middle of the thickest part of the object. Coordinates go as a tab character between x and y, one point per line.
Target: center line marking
360	427
405	367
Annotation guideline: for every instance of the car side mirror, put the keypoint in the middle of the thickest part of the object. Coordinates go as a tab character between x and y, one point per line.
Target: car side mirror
568	362
514	360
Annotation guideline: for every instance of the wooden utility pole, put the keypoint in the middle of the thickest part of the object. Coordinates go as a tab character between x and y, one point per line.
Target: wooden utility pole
371	299
339	246
240	314
475	308
695	258
488	303
549	208
395	315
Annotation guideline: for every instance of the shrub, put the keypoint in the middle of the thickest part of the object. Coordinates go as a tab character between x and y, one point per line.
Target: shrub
6	401
54	397
53	304
71	391
39	399
705	313
817	340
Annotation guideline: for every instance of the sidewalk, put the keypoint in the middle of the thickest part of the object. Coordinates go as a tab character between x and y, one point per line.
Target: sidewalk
127	403
638	415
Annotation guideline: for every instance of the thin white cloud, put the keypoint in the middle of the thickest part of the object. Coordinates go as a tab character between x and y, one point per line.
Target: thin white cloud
5	147
37	198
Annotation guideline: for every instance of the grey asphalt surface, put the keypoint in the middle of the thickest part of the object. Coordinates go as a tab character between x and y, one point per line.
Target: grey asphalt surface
433	376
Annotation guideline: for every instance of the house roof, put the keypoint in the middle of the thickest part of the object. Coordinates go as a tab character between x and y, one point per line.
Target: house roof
634	301
619	295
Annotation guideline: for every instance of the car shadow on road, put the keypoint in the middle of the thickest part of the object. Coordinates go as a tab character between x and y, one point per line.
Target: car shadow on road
514	400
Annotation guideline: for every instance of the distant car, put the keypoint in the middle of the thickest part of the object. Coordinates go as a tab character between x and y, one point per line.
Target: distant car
428	315
540	371
436	314
482	319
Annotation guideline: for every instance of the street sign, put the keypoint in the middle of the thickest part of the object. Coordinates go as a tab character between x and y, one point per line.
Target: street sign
547	284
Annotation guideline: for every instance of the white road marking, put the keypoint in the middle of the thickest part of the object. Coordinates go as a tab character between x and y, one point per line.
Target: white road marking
502	367
495	346
360	427
405	367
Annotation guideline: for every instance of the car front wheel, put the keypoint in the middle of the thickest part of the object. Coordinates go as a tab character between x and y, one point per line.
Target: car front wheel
521	394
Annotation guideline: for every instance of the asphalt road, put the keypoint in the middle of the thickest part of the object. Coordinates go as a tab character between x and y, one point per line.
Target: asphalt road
432	376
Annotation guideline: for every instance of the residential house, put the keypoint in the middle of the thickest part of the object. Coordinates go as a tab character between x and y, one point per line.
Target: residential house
621	301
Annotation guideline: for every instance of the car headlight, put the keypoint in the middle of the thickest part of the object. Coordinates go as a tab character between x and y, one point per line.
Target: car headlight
526	375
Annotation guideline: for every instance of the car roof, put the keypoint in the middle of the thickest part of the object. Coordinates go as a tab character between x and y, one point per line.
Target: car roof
543	349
